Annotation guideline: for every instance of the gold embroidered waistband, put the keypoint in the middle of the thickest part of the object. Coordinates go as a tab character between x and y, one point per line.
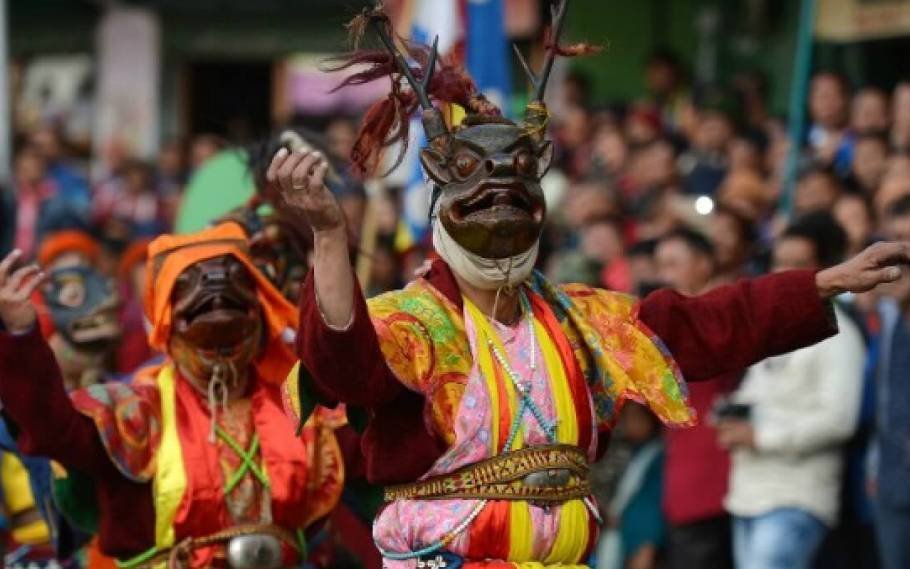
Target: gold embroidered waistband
545	474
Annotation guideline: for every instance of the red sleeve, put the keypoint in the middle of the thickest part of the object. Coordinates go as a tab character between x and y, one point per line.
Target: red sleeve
732	327
346	365
34	397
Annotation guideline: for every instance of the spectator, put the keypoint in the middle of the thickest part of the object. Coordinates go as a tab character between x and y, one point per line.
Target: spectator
648	190
71	183
586	201
637	530
900	115
642	267
733	237
747	152
665	83
129	206
573	134
891	470
611	154
685	261
40	208
7	220
853	214
829	97
870	161
700	533
894	187
817	190
172	167
642	126
576	88
745	192
800	407
869	113
598	260
204	147
340	134
751	88
705	164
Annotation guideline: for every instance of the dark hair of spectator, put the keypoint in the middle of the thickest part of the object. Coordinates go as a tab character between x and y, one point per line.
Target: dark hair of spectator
815	169
826	235
744	226
695	241
584	84
756	138
900	207
665	56
644	248
605	219
842	82
873	136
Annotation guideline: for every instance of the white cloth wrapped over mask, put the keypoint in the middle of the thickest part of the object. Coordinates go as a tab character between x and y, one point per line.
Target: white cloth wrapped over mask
483	273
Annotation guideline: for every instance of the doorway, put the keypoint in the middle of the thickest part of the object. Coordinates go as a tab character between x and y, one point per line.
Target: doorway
230	99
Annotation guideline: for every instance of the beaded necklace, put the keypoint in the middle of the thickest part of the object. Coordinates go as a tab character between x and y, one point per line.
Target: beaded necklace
524	390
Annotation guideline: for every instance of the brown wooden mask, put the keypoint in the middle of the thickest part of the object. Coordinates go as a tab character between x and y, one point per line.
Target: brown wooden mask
487	189
216	317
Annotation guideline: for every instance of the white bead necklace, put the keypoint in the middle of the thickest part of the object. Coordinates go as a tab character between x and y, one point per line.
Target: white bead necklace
524	390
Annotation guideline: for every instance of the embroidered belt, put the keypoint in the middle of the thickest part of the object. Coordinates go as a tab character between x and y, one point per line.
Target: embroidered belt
545	474
254	546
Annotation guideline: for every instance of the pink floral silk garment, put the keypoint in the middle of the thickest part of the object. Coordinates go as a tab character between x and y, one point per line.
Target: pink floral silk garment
410	525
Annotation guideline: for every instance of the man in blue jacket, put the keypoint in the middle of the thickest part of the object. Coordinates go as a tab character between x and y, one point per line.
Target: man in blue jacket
891	450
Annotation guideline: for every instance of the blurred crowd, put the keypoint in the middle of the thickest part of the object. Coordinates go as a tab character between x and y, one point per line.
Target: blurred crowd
803	460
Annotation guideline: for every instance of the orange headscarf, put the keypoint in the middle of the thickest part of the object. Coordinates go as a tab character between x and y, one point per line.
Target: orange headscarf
170	255
69	241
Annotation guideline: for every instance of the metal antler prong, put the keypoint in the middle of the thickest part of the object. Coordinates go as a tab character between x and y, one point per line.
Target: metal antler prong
558	15
431	65
403	66
532	77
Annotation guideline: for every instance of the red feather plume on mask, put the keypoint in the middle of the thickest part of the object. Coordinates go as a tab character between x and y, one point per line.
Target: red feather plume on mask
388	120
570	50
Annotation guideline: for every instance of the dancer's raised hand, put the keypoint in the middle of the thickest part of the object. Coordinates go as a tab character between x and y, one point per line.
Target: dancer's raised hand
16	288
301	177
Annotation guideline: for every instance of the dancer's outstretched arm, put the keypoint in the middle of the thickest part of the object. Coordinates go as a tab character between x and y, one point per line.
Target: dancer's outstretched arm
732	327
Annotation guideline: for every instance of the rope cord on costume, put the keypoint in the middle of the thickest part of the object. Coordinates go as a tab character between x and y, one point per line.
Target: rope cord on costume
139	559
538	118
248	457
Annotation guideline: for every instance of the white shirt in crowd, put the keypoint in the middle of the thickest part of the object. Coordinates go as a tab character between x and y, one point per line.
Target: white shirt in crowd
804	406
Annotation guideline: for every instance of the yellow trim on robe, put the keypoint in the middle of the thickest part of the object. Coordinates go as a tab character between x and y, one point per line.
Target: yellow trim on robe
19	498
486	363
567	427
170	477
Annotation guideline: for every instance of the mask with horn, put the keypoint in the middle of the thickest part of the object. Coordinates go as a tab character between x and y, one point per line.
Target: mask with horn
487	205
